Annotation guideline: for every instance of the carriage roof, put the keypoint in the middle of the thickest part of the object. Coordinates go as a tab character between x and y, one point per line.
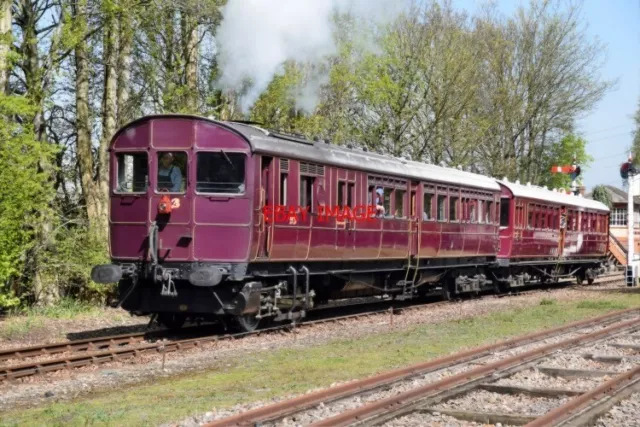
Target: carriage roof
558	197
291	146
264	141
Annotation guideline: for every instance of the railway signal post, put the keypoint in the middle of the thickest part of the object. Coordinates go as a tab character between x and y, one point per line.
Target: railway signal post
629	172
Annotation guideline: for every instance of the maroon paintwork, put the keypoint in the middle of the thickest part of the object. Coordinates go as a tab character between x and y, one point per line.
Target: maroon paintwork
588	238
230	228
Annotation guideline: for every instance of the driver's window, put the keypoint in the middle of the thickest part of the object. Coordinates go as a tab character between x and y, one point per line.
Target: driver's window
172	172
221	172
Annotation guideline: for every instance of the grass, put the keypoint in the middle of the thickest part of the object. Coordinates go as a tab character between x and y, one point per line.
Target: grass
264	375
25	321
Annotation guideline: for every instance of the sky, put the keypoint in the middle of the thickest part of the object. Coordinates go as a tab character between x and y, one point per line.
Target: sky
607	128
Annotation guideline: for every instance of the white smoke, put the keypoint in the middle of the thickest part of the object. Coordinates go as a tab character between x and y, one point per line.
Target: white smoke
256	37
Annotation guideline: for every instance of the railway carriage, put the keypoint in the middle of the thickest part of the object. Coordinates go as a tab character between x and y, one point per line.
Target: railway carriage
226	220
549	234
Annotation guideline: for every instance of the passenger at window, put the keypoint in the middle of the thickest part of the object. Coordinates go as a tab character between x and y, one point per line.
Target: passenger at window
380	211
169	176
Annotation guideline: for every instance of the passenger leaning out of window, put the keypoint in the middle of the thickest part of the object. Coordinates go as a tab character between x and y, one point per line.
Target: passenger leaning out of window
380	202
169	175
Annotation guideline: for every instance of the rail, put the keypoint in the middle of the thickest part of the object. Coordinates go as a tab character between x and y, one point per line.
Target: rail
96	351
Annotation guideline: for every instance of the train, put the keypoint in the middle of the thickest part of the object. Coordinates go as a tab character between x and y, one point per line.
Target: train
230	221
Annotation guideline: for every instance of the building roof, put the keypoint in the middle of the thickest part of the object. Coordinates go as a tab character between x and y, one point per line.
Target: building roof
617	195
554	196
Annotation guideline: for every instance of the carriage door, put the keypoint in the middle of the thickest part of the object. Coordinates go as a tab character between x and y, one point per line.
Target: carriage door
266	198
563	230
414	220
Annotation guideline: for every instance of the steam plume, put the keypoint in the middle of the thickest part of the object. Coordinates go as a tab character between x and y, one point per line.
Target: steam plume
256	37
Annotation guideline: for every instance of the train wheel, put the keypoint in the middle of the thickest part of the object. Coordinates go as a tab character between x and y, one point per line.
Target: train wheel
247	322
590	280
172	320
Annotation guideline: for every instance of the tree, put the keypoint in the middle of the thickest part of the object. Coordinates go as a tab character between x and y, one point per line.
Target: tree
26	201
541	71
636	135
569	150
601	194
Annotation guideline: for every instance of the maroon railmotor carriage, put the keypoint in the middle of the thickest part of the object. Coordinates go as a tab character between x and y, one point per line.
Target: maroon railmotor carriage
190	235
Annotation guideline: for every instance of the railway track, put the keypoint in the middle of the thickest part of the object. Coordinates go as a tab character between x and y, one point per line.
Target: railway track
418	395
38	360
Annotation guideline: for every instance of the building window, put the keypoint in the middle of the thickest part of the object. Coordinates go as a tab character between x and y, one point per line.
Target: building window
618	217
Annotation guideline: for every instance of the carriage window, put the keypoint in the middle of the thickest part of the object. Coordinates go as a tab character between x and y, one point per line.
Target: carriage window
426	207
350	190
172	170
472	210
387	201
133	173
220	172
489	214
283	188
442	210
341	186
453	209
504	213
399	213
306	192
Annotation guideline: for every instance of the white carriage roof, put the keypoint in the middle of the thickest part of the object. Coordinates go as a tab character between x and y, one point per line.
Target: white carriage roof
559	197
264	141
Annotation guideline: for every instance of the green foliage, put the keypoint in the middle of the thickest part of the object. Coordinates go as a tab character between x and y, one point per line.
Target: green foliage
562	153
25	195
69	266
601	194
636	136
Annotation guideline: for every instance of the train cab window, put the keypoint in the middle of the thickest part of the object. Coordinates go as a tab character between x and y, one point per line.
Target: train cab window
133	173
504	213
220	172
399	203
172	170
453	209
